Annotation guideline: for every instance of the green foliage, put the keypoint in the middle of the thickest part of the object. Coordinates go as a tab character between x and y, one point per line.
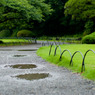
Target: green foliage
89	39
88	27
28	8
14	33
58	24
80	9
25	33
5	33
21	14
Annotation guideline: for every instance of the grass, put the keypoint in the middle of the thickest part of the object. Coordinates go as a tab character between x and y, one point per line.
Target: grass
89	72
14	40
10	42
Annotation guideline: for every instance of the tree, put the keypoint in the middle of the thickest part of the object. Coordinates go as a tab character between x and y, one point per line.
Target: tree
52	25
82	10
19	14
58	24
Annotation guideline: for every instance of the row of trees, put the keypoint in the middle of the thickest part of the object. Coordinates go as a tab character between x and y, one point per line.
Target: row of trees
21	14
48	17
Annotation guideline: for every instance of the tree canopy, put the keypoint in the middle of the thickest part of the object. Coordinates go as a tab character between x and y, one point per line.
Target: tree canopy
17	13
80	9
47	17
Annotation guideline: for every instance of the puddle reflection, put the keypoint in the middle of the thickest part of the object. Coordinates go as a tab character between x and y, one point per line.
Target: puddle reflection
23	66
35	76
19	55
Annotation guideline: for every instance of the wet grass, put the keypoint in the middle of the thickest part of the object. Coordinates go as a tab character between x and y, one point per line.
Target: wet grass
12	42
77	60
34	76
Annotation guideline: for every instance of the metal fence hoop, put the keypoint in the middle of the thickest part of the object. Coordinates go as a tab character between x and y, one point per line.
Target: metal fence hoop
50	49
54	43
56	50
63	52
43	44
83	65
71	61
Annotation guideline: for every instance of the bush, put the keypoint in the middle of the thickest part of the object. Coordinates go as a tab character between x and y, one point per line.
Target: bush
25	33
14	33
5	33
89	39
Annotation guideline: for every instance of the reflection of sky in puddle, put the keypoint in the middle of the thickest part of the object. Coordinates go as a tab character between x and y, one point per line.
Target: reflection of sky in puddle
34	76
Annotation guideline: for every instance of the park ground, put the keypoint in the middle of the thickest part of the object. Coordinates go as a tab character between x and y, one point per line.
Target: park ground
59	82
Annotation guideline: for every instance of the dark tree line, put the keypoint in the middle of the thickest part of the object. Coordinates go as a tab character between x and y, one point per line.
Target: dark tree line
48	17
58	24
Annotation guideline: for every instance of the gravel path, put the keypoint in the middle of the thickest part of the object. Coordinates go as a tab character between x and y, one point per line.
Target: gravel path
59	82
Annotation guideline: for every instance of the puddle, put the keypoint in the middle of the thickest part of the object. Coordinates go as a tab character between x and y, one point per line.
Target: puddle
5	49
23	66
28	50
19	55
35	76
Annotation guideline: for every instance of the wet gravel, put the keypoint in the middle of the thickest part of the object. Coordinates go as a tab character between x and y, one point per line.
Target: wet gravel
59	82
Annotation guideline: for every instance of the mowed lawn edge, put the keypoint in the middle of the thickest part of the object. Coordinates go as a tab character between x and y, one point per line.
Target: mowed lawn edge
11	42
89	72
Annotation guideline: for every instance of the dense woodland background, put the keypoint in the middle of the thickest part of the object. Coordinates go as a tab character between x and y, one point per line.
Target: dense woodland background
36	18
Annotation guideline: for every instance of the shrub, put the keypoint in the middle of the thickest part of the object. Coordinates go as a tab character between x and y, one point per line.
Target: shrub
5	33
25	33
14	33
89	39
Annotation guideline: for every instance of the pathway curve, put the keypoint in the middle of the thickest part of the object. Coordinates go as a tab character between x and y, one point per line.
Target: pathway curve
60	81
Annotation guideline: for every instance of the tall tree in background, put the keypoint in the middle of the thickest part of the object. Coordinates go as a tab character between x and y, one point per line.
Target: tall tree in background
82	10
19	14
58	24
53	25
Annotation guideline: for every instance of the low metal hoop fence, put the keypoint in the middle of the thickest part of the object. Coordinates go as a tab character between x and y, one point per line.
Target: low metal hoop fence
83	64
63	53
71	61
56	50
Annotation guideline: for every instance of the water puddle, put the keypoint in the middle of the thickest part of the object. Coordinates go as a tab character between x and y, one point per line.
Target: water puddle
23	66
34	76
19	55
28	50
5	49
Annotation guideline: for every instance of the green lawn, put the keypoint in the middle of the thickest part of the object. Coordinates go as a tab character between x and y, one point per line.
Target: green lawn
10	42
77	60
14	40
